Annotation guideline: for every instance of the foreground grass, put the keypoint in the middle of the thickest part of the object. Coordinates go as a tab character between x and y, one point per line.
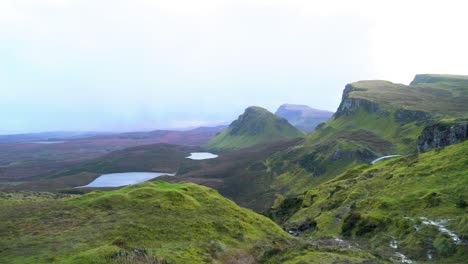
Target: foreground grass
183	223
153	222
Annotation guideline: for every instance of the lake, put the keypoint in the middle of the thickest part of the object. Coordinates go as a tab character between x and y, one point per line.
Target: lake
202	156
123	179
47	142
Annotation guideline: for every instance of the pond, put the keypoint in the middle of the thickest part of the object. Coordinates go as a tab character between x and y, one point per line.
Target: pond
123	179
202	156
47	142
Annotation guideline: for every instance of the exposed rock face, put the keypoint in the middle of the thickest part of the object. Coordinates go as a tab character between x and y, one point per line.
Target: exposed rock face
441	135
348	103
403	115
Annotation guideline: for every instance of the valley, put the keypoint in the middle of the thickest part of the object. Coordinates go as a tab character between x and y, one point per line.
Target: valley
383	180
22	159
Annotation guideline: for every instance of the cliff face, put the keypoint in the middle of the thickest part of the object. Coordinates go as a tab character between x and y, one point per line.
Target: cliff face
348	104
404	115
441	135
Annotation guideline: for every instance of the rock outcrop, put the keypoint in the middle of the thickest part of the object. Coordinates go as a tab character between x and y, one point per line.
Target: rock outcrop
441	135
348	104
404	115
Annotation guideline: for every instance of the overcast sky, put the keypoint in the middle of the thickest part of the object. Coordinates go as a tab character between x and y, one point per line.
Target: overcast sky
114	65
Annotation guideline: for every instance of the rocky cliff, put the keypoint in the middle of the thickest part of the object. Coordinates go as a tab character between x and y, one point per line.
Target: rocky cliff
348	103
441	135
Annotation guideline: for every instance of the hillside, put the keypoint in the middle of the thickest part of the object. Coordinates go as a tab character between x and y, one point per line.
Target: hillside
154	222
393	206
303	117
374	119
184	223
254	127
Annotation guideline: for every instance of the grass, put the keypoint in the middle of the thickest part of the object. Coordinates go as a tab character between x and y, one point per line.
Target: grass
184	223
374	203
440	96
153	222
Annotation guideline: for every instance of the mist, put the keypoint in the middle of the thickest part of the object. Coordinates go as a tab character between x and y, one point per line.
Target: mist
143	65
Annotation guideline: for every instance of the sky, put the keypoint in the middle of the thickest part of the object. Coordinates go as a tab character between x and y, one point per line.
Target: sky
133	65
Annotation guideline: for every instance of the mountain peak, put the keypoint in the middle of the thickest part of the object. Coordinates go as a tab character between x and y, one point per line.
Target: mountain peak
255	126
256	110
303	117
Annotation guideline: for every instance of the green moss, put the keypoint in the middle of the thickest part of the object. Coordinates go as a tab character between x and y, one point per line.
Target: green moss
372	203
175	222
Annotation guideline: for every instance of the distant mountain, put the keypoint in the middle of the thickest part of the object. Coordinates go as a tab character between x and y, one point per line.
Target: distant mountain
303	117
46	136
255	126
193	137
439	78
215	129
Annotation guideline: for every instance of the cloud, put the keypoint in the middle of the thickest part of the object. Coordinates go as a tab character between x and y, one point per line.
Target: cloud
144	63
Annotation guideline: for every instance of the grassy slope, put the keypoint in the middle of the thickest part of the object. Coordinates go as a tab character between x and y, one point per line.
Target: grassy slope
374	204
149	223
256	126
185	223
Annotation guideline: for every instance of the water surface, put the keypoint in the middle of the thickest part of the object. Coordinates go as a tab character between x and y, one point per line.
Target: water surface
384	157
123	179
202	156
47	142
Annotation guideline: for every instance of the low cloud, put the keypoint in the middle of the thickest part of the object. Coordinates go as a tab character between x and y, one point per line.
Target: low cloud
146	64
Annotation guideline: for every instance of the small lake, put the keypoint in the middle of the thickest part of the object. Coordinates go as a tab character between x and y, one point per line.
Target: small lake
123	179
202	156
47	142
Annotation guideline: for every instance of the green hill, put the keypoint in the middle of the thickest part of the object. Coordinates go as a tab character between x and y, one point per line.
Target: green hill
393	206
254	127
153	222
183	223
